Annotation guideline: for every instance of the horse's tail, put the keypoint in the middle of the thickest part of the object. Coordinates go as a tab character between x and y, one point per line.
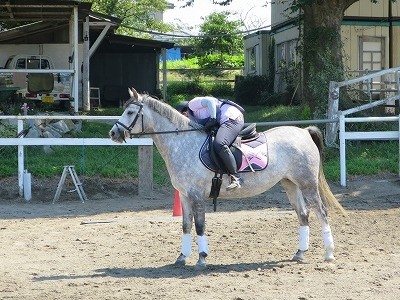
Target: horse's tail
324	189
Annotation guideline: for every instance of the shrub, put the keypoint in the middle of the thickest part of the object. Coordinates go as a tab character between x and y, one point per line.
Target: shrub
253	90
213	61
185	87
218	89
180	91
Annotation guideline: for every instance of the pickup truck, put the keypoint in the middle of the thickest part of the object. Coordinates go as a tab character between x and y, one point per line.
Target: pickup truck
44	87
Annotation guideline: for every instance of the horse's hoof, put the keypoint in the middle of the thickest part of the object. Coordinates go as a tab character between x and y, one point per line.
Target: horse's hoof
330	258
181	260
201	263
329	254
299	256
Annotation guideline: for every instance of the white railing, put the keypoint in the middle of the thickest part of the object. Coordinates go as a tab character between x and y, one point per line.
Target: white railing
145	147
334	95
346	135
390	85
371	135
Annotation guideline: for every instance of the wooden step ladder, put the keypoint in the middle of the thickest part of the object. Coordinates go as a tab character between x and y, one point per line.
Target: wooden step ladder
75	179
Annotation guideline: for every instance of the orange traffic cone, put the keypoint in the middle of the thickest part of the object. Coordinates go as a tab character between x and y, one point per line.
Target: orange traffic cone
177	209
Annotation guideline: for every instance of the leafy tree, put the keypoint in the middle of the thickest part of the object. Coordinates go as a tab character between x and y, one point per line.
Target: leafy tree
218	35
137	16
218	41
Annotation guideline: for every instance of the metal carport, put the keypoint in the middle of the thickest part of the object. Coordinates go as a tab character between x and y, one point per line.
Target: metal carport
50	17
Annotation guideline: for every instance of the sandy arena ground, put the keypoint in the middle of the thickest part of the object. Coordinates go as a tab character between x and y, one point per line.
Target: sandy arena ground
120	246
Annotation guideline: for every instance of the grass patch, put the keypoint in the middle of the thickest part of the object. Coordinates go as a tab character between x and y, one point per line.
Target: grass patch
363	158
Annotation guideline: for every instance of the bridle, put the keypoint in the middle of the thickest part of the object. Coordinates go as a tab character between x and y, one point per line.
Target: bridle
133	123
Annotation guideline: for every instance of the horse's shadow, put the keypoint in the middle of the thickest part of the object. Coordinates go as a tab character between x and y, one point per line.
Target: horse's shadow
171	271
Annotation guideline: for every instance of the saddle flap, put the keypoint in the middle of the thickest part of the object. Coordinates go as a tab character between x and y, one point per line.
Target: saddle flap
210	159
250	156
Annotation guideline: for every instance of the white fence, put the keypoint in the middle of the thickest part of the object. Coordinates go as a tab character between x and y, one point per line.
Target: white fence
371	135
389	82
145	147
146	144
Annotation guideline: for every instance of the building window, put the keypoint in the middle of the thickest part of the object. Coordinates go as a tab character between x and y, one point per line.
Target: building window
286	75
372	50
281	55
286	54
252	59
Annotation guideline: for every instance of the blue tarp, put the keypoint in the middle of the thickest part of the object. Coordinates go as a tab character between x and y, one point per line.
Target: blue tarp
173	54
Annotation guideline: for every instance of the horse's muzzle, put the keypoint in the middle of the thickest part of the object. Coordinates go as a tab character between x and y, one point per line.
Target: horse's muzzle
116	136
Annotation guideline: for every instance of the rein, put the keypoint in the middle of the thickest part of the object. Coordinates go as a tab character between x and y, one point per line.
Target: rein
139	113
165	132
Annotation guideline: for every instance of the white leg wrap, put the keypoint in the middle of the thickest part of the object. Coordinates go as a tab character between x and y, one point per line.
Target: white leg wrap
202	243
327	236
186	244
304	238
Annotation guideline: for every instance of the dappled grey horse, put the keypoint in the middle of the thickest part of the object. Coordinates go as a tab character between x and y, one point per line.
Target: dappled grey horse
294	160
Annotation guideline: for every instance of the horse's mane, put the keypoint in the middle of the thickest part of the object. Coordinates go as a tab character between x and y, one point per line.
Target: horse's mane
165	110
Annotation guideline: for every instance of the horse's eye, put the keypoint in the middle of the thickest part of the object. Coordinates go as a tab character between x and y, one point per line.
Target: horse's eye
130	112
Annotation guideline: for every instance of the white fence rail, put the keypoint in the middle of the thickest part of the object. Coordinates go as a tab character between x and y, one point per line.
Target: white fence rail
389	83
146	144
372	135
145	147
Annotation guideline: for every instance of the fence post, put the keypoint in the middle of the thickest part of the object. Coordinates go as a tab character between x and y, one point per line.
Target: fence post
333	107
21	163
342	143
145	170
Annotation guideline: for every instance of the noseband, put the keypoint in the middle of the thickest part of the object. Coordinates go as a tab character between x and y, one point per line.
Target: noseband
133	123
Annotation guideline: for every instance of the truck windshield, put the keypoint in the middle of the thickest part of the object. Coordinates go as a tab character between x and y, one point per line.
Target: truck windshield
32	63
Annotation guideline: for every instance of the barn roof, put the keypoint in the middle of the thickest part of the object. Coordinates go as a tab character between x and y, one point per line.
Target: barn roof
51	15
39	10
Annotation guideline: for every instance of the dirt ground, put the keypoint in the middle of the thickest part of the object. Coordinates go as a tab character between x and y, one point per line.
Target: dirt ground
118	245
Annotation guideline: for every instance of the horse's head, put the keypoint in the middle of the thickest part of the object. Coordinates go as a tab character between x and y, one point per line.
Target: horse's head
126	123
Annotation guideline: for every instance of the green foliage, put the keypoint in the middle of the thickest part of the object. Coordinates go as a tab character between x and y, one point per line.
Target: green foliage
189	69
188	63
6	130
306	113
218	35
321	70
213	61
109	111
185	87
253	90
186	90
134	14
10	107
219	89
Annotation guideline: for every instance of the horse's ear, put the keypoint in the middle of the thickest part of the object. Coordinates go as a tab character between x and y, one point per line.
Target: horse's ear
133	93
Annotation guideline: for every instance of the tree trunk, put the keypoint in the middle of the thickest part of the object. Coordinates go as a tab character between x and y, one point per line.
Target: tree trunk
322	51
